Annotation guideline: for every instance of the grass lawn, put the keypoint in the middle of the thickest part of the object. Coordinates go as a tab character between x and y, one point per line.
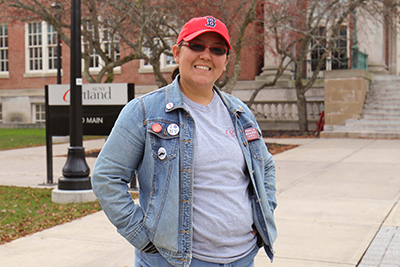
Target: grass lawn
19	138
25	210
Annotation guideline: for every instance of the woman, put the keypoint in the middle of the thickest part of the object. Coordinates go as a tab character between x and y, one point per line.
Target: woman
206	178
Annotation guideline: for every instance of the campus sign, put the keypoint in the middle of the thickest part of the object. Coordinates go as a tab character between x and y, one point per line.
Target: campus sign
92	94
101	104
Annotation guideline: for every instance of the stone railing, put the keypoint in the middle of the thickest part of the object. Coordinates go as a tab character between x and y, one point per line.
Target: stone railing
285	110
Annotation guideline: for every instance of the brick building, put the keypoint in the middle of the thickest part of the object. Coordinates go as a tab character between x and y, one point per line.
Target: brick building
27	65
28	62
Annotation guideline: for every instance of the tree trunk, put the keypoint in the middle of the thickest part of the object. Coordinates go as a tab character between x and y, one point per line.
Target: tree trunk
110	76
160	79
302	108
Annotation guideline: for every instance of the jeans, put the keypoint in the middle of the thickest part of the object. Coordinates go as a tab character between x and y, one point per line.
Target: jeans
156	260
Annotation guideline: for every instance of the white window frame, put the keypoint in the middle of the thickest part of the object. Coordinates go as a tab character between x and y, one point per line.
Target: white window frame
4	51
104	41
44	47
165	66
41	112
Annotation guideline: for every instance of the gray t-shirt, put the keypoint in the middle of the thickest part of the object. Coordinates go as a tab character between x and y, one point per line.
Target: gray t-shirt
222	214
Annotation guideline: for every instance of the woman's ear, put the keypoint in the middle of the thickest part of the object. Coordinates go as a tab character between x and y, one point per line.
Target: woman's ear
176	50
226	62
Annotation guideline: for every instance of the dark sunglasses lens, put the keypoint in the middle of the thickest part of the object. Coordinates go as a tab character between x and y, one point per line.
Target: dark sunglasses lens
197	47
217	50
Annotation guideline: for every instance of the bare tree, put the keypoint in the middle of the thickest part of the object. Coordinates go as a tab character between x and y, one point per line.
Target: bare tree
298	27
160	21
118	31
101	31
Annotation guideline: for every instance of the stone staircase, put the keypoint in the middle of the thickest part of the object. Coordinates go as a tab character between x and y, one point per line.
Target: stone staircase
380	117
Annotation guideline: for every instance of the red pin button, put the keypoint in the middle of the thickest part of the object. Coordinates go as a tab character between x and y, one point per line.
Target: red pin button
156	127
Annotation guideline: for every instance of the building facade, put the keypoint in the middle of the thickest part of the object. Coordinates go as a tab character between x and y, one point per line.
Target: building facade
28	62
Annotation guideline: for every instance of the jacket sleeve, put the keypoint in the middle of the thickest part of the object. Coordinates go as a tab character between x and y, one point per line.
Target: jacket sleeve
114	169
269	178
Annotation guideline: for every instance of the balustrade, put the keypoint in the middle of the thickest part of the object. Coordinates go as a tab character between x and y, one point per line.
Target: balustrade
285	110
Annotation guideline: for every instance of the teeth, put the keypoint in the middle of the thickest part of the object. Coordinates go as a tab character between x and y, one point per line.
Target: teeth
202	68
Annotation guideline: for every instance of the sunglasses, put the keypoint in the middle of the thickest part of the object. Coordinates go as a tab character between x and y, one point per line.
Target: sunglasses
218	50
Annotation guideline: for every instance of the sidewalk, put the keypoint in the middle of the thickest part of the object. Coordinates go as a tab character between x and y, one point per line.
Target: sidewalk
336	198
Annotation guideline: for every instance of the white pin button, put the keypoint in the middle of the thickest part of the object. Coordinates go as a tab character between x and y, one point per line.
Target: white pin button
170	105
173	129
162	153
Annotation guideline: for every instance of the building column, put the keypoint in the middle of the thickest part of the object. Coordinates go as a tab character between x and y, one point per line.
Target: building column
271	62
371	39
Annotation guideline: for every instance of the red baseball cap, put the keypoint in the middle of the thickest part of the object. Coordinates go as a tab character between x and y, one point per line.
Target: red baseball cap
200	25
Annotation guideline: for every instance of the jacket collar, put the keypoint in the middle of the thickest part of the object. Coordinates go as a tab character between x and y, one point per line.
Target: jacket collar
173	98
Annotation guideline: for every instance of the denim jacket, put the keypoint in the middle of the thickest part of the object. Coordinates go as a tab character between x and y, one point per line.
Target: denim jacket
163	162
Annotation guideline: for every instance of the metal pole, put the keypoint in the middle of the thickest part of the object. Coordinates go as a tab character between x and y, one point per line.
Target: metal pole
58	58
76	76
57	7
49	141
76	171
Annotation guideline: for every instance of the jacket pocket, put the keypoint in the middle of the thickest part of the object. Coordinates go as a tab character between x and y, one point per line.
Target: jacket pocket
164	139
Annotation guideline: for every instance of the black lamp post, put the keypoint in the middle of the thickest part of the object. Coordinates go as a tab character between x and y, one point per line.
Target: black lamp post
76	171
57	8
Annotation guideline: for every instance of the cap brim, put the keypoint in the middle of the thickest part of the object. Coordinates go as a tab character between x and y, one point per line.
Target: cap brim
195	34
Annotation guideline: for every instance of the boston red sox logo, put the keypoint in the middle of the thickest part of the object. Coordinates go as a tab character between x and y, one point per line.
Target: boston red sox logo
211	22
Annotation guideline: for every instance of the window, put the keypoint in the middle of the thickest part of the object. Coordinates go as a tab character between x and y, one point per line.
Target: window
3	48
337	58
39	113
52	38
147	52
167	62
339	54
35	46
41	49
110	45
318	50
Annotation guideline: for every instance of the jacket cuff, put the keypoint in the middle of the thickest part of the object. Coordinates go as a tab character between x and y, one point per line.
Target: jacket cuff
139	238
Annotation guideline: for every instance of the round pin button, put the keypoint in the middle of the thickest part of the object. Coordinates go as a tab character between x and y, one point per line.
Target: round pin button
173	129
162	153
156	127
170	105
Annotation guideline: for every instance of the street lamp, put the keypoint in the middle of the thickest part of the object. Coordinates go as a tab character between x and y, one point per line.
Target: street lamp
56	6
75	171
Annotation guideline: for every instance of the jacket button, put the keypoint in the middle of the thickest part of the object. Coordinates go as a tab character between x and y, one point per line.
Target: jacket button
245	143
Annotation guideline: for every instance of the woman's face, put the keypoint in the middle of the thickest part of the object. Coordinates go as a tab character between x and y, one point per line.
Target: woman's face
200	70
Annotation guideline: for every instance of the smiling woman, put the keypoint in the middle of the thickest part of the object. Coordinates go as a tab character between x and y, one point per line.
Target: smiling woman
202	56
211	196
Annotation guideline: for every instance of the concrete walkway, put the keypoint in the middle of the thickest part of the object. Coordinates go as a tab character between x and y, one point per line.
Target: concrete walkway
336	199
